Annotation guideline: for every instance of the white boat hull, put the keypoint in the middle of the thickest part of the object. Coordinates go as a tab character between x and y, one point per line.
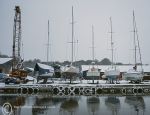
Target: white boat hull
93	73
133	75
112	74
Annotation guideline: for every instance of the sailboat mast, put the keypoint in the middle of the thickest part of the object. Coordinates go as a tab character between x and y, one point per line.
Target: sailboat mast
112	49
72	36
93	53
48	44
134	39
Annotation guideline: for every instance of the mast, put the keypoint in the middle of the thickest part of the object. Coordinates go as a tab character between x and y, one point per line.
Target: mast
112	47
93	53
134	39
48	44
72	37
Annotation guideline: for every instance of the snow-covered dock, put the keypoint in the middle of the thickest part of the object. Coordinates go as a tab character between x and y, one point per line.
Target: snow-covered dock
78	88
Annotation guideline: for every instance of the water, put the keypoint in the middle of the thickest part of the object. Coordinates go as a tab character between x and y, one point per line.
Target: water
74	105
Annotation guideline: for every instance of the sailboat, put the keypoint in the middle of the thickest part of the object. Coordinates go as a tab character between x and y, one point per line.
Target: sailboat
71	71
44	71
112	73
133	74
93	72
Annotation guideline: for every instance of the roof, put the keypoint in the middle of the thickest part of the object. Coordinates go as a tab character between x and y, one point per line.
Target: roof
122	68
4	60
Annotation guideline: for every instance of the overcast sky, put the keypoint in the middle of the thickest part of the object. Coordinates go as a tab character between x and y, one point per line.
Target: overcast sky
36	13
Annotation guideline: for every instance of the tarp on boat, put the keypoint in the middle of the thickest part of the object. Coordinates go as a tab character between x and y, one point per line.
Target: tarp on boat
43	69
70	69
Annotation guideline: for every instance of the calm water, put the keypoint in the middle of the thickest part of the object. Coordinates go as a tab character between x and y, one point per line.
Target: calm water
75	105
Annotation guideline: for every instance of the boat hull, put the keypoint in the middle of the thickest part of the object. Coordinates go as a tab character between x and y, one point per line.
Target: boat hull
93	73
134	76
112	74
70	71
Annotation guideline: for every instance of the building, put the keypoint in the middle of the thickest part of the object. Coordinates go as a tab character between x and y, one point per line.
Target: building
5	64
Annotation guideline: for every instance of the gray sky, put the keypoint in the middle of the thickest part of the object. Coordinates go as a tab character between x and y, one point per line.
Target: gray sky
35	15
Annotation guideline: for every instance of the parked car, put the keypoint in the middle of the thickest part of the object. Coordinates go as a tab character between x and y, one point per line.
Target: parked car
2	77
13	80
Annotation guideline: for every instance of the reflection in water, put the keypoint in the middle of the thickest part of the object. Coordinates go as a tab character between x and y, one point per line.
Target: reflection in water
137	102
76	105
113	103
15	101
42	104
93	104
70	105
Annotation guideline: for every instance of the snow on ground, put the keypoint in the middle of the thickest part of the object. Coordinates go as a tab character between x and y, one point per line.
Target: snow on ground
58	81
2	85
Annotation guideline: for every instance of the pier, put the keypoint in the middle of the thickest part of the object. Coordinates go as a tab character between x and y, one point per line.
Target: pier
76	89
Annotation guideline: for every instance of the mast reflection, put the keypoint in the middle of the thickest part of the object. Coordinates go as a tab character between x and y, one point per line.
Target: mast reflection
93	104
70	106
43	103
113	103
137	102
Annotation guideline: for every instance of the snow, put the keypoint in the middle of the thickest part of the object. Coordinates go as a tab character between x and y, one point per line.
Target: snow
30	78
2	85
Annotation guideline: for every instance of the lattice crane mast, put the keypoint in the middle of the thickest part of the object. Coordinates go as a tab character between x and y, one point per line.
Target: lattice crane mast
17	66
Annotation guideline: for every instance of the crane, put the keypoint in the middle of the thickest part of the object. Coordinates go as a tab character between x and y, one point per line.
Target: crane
17	62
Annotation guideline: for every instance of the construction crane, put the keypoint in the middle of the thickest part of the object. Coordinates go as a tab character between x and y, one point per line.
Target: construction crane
17	62
17	39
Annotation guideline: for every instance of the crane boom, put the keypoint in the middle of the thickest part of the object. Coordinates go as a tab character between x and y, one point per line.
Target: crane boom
17	39
17	66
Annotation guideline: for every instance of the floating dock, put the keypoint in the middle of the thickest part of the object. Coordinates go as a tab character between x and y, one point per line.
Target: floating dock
77	89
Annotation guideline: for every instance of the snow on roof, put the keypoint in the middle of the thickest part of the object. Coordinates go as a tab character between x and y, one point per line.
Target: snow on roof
4	60
122	68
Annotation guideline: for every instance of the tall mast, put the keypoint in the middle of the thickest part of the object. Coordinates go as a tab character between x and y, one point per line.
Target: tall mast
112	47
93	53
48	44
72	36
134	38
16	38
